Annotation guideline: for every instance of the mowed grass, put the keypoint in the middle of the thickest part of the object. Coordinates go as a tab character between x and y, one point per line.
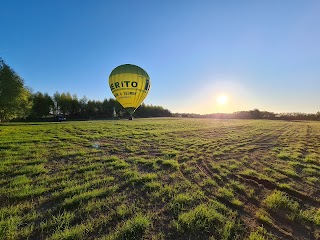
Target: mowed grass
160	179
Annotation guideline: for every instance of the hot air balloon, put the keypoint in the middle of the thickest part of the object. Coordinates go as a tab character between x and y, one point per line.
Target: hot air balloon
130	85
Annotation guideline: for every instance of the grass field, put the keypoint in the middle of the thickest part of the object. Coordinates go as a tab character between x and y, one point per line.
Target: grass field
160	179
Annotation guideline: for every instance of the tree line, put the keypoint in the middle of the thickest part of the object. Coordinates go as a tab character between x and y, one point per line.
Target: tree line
255	114
19	102
68	105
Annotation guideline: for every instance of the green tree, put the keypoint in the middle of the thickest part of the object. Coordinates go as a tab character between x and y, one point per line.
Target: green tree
42	105
56	100
15	99
107	108
65	103
83	105
75	106
91	109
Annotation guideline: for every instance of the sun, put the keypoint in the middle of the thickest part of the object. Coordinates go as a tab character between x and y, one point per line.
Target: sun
222	99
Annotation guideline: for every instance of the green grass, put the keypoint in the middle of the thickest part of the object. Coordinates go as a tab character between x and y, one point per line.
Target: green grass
278	200
159	179
203	218
260	234
181	202
133	228
263	216
311	215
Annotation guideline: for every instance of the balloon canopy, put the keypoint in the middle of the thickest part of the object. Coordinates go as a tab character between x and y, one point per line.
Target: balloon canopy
130	85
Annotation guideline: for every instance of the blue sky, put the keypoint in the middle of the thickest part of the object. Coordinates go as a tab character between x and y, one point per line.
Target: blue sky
260	54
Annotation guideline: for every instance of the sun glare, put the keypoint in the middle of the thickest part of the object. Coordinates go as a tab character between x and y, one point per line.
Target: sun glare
222	99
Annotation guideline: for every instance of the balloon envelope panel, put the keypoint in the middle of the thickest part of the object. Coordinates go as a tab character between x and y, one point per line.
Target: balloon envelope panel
130	85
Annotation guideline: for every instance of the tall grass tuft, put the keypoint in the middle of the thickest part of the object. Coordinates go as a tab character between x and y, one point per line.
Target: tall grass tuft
133	228
279	201
203	218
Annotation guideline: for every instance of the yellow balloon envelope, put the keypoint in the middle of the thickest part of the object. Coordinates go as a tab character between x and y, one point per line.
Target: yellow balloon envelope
130	85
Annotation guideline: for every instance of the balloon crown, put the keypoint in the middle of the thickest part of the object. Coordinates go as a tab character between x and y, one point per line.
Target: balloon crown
129	68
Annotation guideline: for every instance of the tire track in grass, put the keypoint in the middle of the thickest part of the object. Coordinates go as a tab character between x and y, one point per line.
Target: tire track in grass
291	227
266	140
294	231
246	214
289	131
250	207
272	186
304	151
283	230
302	231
